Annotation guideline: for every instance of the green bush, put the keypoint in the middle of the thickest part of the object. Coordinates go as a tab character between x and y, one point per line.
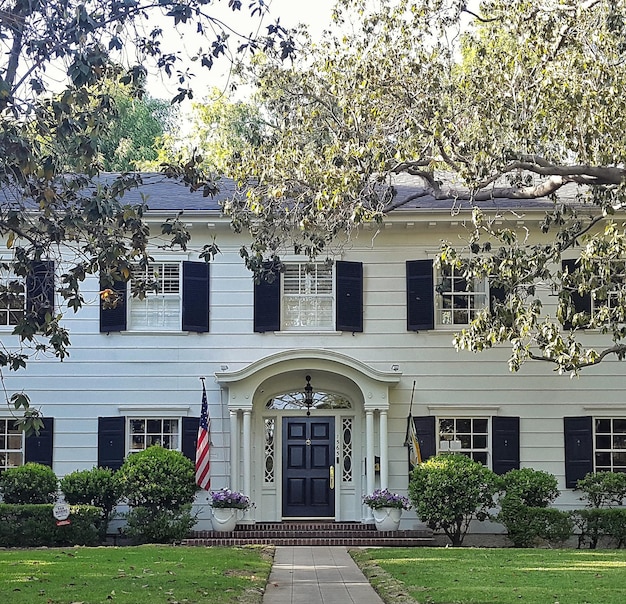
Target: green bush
533	488
30	483
160	486
99	487
602	489
595	523
146	525
33	525
526	492
529	526
450	490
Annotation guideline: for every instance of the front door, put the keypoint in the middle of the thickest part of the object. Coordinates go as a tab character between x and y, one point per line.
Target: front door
308	467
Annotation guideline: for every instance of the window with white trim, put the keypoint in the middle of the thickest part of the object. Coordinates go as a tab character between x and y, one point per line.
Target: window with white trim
161	306
11	445
610	444
308	297
458	299
466	435
12	297
144	432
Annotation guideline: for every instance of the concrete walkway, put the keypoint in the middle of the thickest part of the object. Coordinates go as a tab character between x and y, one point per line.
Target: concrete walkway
317	575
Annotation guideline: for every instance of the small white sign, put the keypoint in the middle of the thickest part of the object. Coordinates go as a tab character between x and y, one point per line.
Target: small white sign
61	511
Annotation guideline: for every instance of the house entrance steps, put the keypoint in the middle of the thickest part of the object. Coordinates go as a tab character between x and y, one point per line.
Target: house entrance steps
306	533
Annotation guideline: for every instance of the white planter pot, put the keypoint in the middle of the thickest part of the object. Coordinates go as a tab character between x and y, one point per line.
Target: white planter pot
387	519
224	519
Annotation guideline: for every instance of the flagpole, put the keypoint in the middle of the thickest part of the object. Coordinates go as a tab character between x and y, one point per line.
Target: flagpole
203	444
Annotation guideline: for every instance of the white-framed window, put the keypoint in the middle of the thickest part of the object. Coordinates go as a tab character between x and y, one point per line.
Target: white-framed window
144	432
466	435
12	297
610	290
11	444
308	301
161	307
458	300
610	444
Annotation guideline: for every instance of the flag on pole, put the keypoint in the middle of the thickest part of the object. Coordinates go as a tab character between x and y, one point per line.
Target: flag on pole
411	441
415	455
203	446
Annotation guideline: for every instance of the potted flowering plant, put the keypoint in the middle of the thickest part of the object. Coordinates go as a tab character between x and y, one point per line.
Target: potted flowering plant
226	505
387	508
225	498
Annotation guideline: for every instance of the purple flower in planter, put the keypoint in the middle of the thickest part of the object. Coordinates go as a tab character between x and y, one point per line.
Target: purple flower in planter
383	498
225	498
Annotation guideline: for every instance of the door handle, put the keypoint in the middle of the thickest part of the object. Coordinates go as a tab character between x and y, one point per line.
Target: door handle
332	477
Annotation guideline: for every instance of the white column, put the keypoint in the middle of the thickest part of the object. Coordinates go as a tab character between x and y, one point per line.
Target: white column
234	450
384	463
369	448
247	457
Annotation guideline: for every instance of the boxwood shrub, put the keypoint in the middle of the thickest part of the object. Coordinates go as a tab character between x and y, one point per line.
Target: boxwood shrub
33	525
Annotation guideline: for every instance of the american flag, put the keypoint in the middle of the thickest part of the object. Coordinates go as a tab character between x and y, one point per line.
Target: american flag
203	446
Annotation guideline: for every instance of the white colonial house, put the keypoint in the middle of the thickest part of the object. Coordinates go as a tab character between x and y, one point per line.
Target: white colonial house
309	378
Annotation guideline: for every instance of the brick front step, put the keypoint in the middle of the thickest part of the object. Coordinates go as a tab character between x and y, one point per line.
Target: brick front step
352	534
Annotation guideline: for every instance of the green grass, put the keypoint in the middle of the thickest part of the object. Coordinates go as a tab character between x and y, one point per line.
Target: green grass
133	575
502	576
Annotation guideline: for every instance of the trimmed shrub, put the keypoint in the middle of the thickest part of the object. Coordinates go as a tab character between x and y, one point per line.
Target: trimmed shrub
448	491
145	525
602	489
30	483
596	523
160	486
530	526
533	488
99	487
33	525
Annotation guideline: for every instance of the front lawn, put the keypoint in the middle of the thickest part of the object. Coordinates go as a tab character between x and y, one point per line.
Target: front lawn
148	574
502	576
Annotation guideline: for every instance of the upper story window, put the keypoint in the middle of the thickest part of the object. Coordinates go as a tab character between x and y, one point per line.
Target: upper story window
12	297
159	309
443	298
308	297
11	445
146	432
458	299
176	299
311	297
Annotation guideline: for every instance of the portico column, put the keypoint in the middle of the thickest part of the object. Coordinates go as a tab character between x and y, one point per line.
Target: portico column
234	450
384	463
369	447
247	457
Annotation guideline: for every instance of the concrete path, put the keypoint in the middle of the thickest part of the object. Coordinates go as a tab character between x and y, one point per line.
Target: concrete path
317	575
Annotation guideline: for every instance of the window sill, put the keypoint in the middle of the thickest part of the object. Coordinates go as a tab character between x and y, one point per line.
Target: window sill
306	332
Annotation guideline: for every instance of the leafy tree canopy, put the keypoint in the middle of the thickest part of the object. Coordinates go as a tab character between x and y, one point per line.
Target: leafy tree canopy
63	65
509	100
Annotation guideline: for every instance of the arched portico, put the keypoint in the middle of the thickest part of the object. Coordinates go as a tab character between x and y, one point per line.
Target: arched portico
259	431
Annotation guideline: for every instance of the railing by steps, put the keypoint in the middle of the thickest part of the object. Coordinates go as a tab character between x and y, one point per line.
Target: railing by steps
354	534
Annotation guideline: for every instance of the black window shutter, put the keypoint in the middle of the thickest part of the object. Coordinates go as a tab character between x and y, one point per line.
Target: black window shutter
196	296
111	442
496	294
425	429
114	319
267	305
38	448
505	444
190	437
349	310
420	307
578	449
40	289
582	303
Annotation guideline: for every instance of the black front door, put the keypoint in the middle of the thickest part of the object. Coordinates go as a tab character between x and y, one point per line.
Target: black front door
308	467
